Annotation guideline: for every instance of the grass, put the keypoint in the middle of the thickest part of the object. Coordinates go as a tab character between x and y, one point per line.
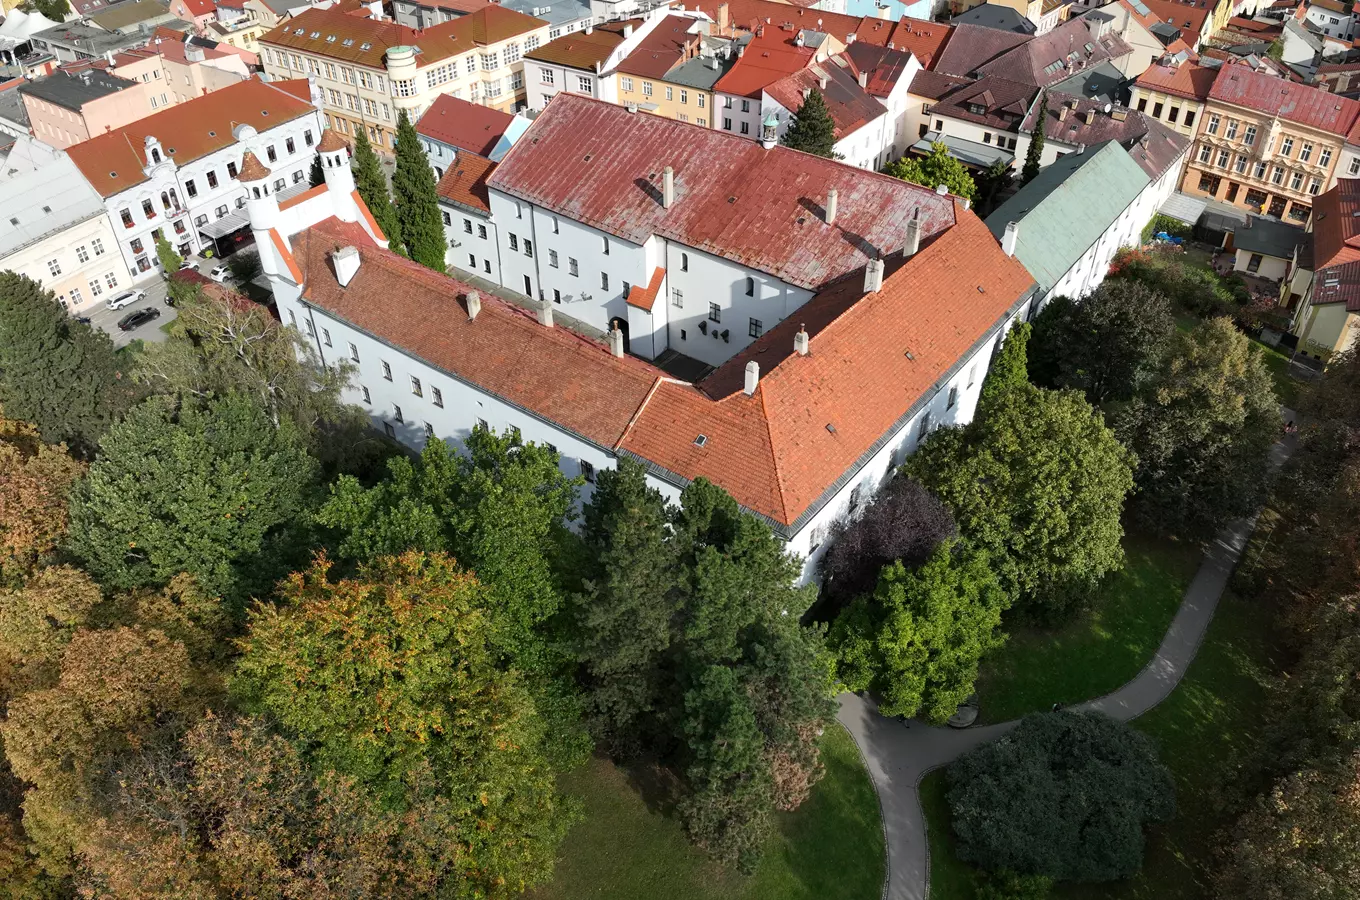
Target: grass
1205	729
1286	388
627	848
1103	648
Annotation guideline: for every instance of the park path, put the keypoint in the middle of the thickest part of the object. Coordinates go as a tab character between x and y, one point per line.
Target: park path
899	754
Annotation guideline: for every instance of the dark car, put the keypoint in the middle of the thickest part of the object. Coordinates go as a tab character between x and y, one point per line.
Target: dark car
137	319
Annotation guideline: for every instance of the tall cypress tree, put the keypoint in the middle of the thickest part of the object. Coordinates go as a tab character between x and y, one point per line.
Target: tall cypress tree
1036	144
811	129
372	185
422	227
317	176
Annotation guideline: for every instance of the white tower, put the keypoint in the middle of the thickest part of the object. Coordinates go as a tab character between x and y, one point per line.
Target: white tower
262	207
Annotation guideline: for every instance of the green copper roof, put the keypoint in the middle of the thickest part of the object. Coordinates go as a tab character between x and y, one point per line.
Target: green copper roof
1067	207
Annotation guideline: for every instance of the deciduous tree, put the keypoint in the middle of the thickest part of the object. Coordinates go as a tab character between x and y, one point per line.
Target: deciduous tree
372	186
59	374
811	128
413	184
1064	794
935	169
165	254
1009	369
35	479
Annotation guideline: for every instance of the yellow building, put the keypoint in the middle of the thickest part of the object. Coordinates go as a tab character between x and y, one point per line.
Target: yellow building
672	71
1174	95
1328	316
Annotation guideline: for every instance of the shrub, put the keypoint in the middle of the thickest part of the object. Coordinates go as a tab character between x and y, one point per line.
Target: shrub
904	522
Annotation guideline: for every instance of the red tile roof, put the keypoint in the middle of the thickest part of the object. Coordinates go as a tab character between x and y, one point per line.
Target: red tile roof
924	40
580	50
196	8
934	85
1297	103
772	54
467	126
1189	17
113	161
973	46
330	141
851	107
602	165
1336	225
747	15
1004	103
1148	142
1054	56
464	183
772	451
252	169
1189	80
662	48
883	66
645	297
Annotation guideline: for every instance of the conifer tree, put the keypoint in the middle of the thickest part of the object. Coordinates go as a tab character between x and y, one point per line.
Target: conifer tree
811	128
1036	144
372	185
422	227
317	176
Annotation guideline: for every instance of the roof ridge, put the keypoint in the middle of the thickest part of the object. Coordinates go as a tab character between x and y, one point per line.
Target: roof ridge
782	489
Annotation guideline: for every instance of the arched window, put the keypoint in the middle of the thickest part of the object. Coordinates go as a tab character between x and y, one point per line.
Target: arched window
750	286
684	262
155	155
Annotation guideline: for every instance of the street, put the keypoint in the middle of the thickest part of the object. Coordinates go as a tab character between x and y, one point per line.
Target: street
150	332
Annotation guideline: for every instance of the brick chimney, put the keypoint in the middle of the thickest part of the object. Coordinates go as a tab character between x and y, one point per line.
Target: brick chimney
474	305
752	378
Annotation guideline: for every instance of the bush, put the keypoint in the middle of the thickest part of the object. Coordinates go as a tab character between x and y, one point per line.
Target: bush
904	522
1192	288
1065	795
1172	226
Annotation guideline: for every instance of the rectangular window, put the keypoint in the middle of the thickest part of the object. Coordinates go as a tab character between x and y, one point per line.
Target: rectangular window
416	388
627	84
1277	175
387	372
1156	110
1212	127
190	188
231	169
429	430
755	328
552	259
326	336
714	312
1231	133
584	84
1259	171
95	287
670	93
1296	181
1142	106
54	267
82	254
547	76
1305	153
481	232
1325	157
677	297
1223	157
437	397
1205	152
514	242
389	430
587	472
1287	148
571	267
1248	138
396	413
684	96
604	281
646	89
353	352
1189	118
528	248
1240	165
467	226
1314	186
98	246
953	398
1173	114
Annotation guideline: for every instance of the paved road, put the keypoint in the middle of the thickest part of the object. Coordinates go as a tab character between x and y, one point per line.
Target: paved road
103	317
899	754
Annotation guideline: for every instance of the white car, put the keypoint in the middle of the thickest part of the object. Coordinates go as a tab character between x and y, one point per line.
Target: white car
127	298
220	273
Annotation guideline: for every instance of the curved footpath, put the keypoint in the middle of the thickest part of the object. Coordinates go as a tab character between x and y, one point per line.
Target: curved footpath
899	754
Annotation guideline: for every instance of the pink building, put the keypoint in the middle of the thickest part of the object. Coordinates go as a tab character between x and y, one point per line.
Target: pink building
199	12
67	107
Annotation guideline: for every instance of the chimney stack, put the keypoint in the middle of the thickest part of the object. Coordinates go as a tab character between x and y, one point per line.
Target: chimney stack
545	314
346	261
1008	239
864	79
474	305
800	341
668	187
873	276
912	243
832	199
1062	113
942	189
752	377
1090	116
616	342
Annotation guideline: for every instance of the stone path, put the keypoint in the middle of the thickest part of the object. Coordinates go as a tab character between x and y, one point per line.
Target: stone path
899	754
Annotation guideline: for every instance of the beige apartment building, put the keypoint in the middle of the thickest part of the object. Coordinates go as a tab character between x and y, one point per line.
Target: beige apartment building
1267	145
1174	94
369	69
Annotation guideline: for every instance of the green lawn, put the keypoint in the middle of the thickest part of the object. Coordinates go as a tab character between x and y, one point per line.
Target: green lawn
1103	648
1204	729
626	849
1286	388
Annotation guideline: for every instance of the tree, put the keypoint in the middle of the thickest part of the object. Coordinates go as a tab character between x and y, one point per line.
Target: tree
413	184
1038	482
56	10
1107	346
1064	794
38	620
59	374
1203	428
991	183
245	266
902	522
393	672
918	640
372	186
316	176
811	128
35	479
628	599
165	254
216	491
1035	154
1009	369
935	169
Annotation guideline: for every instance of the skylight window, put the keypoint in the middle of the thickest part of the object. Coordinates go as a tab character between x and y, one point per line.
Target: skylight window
330	39
347	42
314	35
365	46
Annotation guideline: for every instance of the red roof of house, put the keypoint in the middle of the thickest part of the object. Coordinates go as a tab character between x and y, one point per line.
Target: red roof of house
602	165
464	182
772	54
1053	56
661	48
781	452
1189	17
1336	225
645	297
1297	103
195	8
884	67
747	15
922	39
851	106
973	46
113	161
1189	80
467	126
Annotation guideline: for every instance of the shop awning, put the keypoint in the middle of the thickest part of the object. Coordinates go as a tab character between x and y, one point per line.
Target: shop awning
970	153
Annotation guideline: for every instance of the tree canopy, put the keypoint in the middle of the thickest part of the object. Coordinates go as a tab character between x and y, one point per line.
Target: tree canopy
413	184
1090	787
372	186
35	479
811	128
1034	155
1009	369
935	169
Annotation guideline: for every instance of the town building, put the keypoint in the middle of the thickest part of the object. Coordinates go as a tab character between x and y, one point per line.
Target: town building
198	13
453	128
1174	94
187	70
1266	248
1267	145
133	17
1066	224
1327	318
237	25
1331	17
66	108
586	62
54	229
72	41
369	70
802	425
175	174
1072	124
674	69
769	53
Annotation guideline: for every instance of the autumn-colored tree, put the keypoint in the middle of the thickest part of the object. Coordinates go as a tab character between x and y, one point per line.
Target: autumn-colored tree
38	620
34	481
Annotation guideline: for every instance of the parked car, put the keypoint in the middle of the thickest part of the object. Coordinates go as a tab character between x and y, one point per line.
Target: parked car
127	298
220	273
188	264
138	318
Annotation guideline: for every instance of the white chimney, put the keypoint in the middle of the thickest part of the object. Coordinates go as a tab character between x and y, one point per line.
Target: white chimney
832	199
942	189
474	305
864	79
616	342
627	31
668	187
912	242
346	262
752	377
545	314
873	276
800	341
1008	239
